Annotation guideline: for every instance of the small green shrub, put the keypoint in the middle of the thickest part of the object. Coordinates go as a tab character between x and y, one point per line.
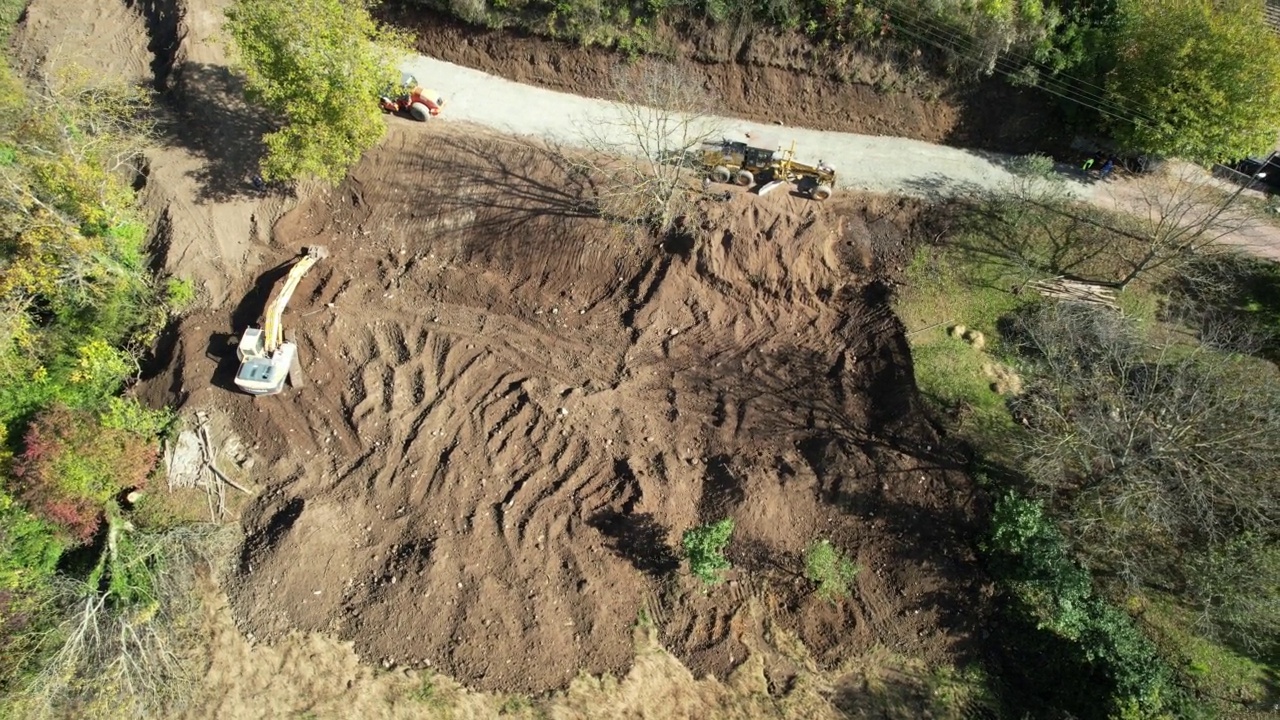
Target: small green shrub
830	568
1031	558
704	547
427	693
514	705
179	294
128	414
1032	166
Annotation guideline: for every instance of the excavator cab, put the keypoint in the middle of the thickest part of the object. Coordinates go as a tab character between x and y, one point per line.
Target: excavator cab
261	372
267	359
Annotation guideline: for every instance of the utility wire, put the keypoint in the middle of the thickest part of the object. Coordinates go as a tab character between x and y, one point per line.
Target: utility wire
1010	68
939	28
925	31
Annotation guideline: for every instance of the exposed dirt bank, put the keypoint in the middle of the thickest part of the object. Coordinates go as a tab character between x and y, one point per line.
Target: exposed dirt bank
766	76
515	410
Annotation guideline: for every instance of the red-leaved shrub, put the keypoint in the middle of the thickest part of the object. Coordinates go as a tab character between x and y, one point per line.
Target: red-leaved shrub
71	466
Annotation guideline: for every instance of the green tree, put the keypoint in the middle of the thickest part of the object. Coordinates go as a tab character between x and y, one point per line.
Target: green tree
1202	77
321	65
704	546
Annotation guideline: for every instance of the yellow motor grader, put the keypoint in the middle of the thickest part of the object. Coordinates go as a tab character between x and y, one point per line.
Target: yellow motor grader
816	181
736	162
743	164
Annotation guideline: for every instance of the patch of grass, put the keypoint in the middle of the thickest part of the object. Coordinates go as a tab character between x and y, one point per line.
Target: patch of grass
1213	670
945	289
179	295
886	684
1140	302
515	705
10	11
831	569
428	694
960	691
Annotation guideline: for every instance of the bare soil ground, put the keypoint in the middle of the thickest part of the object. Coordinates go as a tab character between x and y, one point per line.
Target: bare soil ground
314	675
784	78
515	409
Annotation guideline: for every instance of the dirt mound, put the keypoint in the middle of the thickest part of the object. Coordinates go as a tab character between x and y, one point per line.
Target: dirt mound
514	411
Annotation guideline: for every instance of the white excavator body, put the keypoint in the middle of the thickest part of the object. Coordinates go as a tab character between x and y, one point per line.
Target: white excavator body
267	359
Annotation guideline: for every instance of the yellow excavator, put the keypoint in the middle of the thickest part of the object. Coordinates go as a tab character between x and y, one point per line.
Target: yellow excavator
267	358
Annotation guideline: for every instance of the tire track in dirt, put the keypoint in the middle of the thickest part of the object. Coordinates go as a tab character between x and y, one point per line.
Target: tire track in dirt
515	412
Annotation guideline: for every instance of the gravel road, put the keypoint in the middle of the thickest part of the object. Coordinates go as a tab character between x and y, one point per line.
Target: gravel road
862	162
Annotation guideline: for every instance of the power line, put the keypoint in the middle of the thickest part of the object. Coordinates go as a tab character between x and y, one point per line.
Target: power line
932	34
1010	68
922	20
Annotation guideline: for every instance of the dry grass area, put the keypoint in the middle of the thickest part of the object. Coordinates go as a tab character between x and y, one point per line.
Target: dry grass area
316	677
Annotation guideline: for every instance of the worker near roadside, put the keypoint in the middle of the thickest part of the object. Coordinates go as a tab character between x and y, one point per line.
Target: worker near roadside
1107	167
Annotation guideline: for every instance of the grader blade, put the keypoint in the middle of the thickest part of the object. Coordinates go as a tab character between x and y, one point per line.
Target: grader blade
771	186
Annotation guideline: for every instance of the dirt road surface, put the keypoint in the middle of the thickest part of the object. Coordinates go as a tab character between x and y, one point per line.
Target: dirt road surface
877	164
863	162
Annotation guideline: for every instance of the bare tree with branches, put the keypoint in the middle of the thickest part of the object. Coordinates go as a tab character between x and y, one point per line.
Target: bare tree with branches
640	152
1153	226
1163	459
1177	215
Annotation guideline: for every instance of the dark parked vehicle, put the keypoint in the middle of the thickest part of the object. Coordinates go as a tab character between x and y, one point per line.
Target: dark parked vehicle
1263	170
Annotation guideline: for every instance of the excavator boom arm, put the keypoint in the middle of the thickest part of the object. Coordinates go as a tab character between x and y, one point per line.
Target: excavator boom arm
273	319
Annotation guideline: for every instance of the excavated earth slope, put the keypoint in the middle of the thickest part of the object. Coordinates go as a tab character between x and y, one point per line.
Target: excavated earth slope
514	410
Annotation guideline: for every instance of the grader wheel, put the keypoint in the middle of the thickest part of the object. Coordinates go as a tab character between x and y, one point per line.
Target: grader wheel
822	192
721	174
745	178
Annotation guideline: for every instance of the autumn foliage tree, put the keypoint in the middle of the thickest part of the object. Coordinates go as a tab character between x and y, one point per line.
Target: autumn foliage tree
320	66
77	304
71	468
1202	78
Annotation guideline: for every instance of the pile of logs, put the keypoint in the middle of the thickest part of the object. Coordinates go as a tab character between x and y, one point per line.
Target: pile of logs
1063	289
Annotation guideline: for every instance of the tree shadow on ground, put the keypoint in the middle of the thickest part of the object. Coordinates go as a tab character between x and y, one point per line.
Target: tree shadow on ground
505	179
515	206
212	120
859	424
891	690
937	187
1232	300
639	538
1025	237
